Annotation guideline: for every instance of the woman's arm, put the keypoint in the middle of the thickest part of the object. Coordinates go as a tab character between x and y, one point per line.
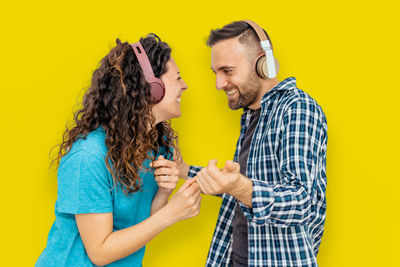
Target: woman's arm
104	246
160	200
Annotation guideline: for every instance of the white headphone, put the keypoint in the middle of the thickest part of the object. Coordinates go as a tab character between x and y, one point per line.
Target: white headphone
266	65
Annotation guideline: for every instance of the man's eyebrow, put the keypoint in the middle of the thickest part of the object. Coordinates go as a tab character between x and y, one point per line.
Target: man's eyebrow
224	68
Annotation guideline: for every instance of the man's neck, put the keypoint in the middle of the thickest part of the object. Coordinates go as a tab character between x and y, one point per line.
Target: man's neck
267	85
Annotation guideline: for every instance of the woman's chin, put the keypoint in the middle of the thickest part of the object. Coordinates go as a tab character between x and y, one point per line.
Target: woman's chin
175	116
172	116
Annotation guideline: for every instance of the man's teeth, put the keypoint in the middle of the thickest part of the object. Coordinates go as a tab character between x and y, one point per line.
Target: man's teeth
178	100
232	92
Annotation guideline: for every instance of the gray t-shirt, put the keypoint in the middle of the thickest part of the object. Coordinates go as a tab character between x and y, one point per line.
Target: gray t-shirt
239	243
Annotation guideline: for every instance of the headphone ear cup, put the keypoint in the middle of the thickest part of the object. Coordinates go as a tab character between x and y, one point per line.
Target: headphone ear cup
261	67
157	90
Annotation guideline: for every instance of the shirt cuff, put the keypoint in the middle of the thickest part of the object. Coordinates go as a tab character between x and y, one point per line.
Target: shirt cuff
193	170
262	203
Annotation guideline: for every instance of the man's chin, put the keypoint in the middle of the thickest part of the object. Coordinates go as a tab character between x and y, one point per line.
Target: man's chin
234	105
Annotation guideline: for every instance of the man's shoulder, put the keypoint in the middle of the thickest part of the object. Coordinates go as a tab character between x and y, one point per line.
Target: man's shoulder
297	98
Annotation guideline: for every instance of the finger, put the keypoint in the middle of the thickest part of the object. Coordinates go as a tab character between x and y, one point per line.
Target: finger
162	163
203	190
212	168
194	187
159	158
231	166
209	179
167	178
197	203
162	171
198	199
196	196
211	182
192	181
161	178
213	172
187	184
213	163
198	193
203	185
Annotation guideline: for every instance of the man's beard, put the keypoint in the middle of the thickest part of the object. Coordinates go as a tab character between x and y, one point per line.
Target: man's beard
248	93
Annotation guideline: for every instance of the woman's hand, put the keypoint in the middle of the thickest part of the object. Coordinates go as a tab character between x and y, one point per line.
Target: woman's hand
185	203
177	166
165	174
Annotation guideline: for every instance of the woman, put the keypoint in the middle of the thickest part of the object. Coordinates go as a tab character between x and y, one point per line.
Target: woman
110	200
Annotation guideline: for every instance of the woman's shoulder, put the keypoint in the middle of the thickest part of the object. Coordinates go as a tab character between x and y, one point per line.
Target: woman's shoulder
92	147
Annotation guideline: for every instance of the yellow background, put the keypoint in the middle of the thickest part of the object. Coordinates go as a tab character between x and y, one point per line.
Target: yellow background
343	53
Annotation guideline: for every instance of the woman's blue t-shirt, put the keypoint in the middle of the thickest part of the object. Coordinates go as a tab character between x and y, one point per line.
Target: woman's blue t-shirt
85	185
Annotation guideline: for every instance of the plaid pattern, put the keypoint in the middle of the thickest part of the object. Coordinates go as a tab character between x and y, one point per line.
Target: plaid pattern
287	165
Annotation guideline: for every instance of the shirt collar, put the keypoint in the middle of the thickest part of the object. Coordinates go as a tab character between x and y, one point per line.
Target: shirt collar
287	84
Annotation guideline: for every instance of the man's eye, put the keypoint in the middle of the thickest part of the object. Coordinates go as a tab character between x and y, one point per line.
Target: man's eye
227	71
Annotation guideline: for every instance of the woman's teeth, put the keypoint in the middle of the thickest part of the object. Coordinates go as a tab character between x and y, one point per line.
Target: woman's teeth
178	100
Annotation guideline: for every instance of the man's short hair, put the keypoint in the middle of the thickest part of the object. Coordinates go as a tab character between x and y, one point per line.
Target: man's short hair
245	33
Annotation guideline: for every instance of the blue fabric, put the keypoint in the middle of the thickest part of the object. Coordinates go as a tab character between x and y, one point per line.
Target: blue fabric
86	186
287	166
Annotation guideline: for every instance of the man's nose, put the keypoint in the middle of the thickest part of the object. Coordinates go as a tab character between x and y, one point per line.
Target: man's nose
220	82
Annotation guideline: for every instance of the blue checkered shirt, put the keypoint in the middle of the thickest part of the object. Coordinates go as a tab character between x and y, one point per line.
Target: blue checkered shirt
287	166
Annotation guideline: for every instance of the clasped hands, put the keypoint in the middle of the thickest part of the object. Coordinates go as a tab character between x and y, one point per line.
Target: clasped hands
214	181
211	179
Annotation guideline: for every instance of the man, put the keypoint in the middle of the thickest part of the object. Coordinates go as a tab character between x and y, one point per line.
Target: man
273	208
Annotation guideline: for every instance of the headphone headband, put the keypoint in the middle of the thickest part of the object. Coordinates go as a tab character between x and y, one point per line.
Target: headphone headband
260	32
157	89
265	68
143	60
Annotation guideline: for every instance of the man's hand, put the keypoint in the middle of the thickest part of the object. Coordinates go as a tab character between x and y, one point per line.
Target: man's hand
213	181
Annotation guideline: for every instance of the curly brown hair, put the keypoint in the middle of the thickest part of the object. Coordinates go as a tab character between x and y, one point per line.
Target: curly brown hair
119	100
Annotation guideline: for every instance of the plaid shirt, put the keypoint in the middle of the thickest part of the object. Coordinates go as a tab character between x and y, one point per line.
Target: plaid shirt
287	165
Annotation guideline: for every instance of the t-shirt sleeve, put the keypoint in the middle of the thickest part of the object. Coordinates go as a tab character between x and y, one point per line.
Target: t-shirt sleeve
84	184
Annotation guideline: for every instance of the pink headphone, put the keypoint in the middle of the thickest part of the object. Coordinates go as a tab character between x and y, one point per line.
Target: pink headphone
157	86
